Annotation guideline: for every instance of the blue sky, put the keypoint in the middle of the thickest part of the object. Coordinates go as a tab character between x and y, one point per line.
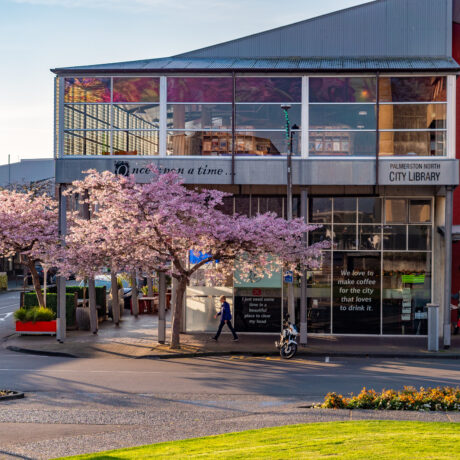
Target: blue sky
36	35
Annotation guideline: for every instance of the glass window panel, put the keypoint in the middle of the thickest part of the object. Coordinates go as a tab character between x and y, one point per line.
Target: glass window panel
272	89
342	143
87	89
406	291
412	116
419	211
370	237
243	205
265	143
320	210
344	237
86	142
135	142
199	116
200	89
412	143
369	210
395	211
87	116
199	143
344	210
136	116
412	89
271	204
324	233
356	288
319	296
342	116
265	116
351	89
419	238
136	89
394	237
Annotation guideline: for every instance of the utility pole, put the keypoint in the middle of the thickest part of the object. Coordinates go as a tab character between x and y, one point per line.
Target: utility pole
285	108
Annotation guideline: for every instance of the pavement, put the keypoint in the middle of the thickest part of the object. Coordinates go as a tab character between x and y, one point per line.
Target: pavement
137	338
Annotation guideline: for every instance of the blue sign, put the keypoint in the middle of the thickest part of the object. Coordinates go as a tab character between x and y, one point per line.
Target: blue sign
288	277
197	257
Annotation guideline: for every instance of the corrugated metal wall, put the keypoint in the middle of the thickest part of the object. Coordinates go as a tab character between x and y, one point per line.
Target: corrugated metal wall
385	28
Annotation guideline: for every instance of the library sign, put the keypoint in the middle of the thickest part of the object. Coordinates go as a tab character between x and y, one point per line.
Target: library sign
423	172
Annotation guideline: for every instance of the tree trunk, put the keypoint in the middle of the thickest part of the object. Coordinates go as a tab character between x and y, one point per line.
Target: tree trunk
134	294
115	303
92	305
150	286
177	317
36	282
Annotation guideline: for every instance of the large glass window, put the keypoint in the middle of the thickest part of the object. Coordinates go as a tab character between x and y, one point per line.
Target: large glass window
89	89
200	116
369	247
406	291
340	89
268	89
200	89
136	89
412	116
346	143
319	296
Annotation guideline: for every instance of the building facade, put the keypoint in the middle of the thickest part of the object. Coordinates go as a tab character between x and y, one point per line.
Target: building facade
370	96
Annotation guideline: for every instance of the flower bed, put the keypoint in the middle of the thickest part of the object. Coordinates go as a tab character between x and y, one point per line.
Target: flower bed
425	399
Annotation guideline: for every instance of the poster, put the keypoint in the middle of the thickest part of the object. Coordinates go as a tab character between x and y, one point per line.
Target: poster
257	314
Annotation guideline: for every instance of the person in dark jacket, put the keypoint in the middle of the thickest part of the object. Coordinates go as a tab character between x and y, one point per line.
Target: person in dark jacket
225	318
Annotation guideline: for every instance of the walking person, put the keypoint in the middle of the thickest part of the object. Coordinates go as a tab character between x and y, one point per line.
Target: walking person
225	318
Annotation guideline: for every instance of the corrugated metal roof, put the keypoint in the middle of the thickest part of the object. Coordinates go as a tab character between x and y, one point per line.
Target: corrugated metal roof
281	64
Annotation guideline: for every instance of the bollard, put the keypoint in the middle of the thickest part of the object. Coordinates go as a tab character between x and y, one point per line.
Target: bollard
433	327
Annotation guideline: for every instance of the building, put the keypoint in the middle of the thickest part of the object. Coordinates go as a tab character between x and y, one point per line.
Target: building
372	96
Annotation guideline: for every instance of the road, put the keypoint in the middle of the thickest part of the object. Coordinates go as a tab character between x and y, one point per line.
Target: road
9	302
81	405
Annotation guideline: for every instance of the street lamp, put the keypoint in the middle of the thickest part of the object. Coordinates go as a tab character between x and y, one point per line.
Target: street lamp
285	108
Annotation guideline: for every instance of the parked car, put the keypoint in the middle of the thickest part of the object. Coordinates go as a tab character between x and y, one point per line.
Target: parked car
124	292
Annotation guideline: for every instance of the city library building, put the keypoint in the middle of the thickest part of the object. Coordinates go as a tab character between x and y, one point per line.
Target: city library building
369	97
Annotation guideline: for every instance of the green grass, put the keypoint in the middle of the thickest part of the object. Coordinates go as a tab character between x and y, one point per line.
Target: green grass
339	440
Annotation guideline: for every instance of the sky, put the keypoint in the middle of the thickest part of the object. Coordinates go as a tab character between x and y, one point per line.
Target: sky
37	35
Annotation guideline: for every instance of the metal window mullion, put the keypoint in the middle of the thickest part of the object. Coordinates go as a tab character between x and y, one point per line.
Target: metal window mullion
304	123
451	115
61	118
112	118
163	117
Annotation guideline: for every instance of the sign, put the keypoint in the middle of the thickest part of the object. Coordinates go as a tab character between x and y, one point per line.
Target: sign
414	279
356	288
197	257
288	277
422	172
257	314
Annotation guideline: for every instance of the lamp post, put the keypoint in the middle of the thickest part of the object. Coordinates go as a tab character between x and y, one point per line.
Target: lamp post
285	108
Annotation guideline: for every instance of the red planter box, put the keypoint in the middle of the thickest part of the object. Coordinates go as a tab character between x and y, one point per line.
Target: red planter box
40	327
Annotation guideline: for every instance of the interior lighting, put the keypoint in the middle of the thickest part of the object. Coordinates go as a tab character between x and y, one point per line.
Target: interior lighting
363	113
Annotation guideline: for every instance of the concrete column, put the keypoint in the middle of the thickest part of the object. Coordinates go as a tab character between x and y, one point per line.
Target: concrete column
61	280
134	294
303	283
92	305
115	302
433	328
448	267
162	308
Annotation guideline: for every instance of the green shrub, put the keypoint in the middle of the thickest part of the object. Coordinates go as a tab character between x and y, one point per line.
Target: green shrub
34	314
30	301
20	315
101	295
424	399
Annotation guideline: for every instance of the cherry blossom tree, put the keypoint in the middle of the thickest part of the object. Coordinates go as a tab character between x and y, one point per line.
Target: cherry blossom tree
153	227
28	226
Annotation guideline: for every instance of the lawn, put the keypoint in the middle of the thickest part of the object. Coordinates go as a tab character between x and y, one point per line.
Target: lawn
344	440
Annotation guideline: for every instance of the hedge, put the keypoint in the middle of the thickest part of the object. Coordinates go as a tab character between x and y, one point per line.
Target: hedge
30	301
101	296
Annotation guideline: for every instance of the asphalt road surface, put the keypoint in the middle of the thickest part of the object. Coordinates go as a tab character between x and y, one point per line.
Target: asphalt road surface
9	302
82	405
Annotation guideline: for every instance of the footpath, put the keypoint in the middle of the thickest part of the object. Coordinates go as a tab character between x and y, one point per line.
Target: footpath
137	338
